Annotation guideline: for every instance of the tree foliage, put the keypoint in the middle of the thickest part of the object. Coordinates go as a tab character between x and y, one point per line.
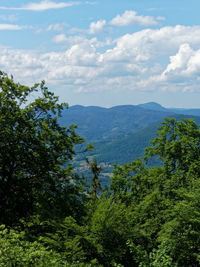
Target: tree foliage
95	186
34	148
149	217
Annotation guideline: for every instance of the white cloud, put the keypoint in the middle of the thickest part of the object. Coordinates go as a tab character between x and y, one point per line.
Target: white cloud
131	63
97	27
77	39
10	27
41	6
150	44
182	73
94	28
60	38
79	67
25	65
57	27
130	17
185	64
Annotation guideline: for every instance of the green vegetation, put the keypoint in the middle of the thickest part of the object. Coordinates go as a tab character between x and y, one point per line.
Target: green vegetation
120	134
130	147
148	217
108	124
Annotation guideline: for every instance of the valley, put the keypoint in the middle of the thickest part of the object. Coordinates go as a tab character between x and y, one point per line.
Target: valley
119	134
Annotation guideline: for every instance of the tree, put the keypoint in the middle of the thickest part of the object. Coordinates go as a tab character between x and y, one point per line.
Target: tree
34	149
164	200
177	145
95	184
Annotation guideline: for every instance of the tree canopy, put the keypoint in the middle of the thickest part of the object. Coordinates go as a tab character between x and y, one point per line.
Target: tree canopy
34	148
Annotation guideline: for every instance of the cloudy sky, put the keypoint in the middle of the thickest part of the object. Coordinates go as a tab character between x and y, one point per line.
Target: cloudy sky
105	52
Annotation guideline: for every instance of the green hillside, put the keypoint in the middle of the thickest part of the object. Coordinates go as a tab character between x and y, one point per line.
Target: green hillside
120	134
132	146
125	149
98	124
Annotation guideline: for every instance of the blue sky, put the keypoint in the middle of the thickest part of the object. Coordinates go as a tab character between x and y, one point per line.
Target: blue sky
105	53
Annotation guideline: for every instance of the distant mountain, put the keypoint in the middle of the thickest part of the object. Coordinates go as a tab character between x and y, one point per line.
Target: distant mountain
192	112
121	133
153	106
97	123
158	107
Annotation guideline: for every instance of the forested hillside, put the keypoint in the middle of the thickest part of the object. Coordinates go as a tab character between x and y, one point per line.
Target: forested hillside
120	134
132	146
97	123
50	216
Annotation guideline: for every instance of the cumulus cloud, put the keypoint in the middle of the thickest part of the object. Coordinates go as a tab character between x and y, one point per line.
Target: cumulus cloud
60	38
97	27
79	66
131	62
185	64
148	44
23	64
41	6
79	39
130	17
182	73
77	63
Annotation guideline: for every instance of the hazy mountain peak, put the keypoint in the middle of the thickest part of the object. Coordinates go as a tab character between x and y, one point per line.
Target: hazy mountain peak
152	106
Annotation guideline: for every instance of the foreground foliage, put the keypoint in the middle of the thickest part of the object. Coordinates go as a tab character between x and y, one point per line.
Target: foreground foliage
148	216
33	150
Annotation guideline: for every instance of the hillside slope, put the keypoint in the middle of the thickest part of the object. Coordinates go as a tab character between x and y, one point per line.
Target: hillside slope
132	146
96	123
120	134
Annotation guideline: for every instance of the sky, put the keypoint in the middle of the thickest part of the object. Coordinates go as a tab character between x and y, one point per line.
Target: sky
105	52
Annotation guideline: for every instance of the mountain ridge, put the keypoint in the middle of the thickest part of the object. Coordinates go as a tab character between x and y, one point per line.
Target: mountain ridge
121	133
110	123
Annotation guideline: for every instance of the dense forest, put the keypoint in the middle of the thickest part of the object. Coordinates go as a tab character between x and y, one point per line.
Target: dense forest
50	215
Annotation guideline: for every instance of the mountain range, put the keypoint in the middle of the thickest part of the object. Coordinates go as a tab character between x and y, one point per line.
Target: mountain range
121	133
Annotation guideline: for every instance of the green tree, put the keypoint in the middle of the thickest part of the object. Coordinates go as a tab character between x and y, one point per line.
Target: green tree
177	145
164	201
15	250
110	226
34	149
95	183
